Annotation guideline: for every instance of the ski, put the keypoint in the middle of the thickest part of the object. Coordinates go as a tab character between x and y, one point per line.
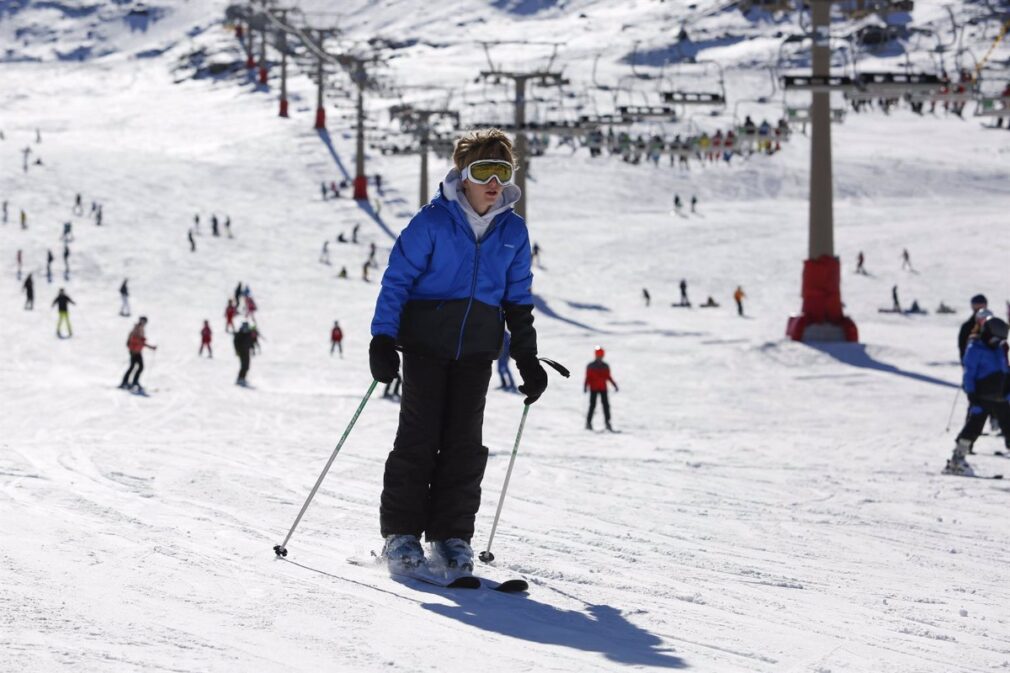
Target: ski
513	586
424	574
974	476
1002	454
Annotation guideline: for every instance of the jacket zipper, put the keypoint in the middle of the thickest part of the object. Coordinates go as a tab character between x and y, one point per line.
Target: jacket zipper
469	303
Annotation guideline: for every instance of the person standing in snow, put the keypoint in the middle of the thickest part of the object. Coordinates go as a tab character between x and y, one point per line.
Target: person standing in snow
508	384
324	255
29	288
337	339
136	343
597	377
205	337
433	474
646	296
986	382
62	304
906	260
192	241
229	316
227	226
978	303
238	294
19	258
683	293
738	297
214	230
243	342
894	297
124	294
860	260
49	266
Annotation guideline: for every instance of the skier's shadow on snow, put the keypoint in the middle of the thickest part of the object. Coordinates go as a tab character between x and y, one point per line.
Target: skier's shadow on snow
856	355
600	628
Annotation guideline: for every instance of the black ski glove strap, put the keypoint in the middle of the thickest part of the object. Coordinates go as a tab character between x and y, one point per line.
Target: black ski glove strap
383	359
535	377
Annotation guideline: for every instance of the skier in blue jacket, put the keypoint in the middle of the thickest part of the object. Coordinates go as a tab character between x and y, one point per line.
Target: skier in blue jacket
987	384
457	275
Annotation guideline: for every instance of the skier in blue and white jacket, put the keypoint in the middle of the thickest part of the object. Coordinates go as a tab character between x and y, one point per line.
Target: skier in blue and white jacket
987	384
457	275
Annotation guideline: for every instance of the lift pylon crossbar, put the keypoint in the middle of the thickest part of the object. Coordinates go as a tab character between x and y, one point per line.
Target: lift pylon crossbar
818	83
692	98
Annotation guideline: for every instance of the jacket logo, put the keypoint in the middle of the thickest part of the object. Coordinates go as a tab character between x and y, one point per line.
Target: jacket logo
509	245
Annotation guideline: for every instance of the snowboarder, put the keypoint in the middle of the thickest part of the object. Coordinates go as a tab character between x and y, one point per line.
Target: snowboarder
710	303
62	303
894	297
337	338
906	260
738	297
646	296
324	254
978	303
985	381
683	293
243	348
29	288
229	316
341	238
433	474
205	337
124	294
597	377
508	383
192	241
860	260
136	343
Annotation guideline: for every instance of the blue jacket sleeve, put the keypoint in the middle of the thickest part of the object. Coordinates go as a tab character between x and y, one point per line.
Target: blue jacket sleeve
409	259
519	276
971	362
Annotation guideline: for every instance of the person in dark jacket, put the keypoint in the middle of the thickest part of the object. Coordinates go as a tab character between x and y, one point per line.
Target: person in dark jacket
978	302
987	384
597	377
62	304
29	288
124	294
337	338
243	348
457	275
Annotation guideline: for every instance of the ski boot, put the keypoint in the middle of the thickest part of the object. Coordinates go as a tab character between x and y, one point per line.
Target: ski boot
403	552
589	425
957	463
455	554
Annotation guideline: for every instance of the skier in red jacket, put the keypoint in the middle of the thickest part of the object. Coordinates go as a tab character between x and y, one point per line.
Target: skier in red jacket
337	338
229	316
597	376
205	337
136	343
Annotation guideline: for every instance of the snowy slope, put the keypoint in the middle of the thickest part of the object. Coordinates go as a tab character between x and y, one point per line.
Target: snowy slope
770	506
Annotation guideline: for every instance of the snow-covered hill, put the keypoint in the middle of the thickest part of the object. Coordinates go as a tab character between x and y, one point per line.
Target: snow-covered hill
770	506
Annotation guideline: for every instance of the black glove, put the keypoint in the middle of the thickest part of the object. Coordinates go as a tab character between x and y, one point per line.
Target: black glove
534	378
383	359
972	399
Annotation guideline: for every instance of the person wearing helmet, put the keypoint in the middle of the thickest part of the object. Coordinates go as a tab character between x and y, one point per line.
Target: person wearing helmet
986	378
458	274
597	377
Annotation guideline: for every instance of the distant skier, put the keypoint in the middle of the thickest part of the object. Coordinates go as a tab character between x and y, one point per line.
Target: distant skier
646	296
68	232
62	303
371	255
535	254
508	383
229	316
738	297
337	339
29	288
192	241
334	189
49	266
78	206
364	272
227	226
343	272
694	203
978	303
5	212
214	230
136	343
597	377
322	189
243	348
684	301
676	202
238	294
196	224
98	217
124	295
24	219
354	233
66	260
985	381
19	258
860	260
710	303
906	260
256	336
894	296
205	337
250	306
324	255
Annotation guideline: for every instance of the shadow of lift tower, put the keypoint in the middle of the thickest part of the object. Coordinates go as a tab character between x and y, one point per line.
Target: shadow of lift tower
821	317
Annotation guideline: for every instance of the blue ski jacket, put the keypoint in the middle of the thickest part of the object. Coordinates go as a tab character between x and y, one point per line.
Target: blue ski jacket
985	371
446	294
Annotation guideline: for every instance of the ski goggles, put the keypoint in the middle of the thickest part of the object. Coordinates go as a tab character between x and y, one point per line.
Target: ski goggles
481	172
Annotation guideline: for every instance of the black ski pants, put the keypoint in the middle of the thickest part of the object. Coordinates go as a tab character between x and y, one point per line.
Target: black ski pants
602	394
136	360
433	474
979	411
243	359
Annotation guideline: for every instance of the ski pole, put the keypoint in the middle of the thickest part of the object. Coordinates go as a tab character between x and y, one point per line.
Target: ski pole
281	549
486	556
953	406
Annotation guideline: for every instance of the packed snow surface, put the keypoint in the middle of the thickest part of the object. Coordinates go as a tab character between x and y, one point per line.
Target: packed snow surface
769	505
